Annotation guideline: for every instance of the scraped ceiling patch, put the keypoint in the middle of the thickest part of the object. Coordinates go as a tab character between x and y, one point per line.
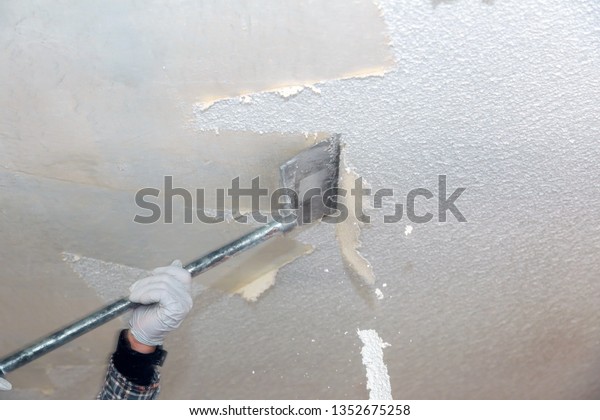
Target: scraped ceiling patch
90	85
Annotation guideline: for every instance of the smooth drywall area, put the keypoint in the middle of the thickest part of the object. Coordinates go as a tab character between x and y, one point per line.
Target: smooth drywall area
500	97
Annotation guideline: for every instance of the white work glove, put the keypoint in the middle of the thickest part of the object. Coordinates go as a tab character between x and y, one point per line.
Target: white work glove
166	299
5	385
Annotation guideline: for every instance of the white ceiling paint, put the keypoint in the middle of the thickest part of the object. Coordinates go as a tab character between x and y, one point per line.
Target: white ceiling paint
502	98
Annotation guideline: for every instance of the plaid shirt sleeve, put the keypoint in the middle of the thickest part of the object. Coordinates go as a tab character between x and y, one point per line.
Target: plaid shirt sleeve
118	387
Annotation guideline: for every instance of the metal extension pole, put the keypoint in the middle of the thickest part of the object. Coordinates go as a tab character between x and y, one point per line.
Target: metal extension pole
119	307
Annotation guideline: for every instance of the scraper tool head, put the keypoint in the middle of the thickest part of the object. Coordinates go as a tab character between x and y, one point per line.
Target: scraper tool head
313	175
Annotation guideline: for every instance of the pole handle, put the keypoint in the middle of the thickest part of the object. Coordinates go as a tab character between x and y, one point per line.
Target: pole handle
119	307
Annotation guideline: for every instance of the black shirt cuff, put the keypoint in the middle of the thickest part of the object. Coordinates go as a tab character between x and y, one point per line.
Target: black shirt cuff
138	368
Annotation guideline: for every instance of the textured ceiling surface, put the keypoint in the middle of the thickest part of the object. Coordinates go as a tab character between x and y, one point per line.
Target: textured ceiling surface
500	96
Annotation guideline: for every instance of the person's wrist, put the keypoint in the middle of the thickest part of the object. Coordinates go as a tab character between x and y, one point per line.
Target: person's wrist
136	366
137	346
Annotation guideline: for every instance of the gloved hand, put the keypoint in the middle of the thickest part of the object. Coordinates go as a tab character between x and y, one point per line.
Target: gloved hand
166	299
4	384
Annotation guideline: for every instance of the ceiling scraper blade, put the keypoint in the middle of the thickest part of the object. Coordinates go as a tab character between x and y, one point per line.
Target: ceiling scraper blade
313	175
